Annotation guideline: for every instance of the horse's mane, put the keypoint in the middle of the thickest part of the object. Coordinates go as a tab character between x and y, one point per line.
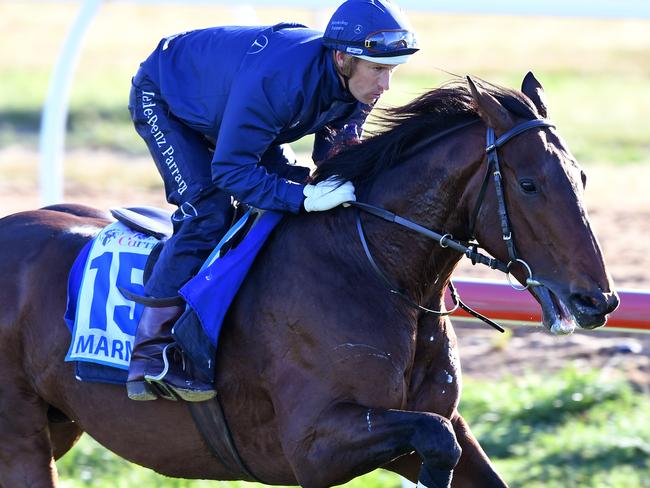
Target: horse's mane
402	127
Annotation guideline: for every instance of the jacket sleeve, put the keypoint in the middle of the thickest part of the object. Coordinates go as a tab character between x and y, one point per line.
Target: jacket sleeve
339	134
257	110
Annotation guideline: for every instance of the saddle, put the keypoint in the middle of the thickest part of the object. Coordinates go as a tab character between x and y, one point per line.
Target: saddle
187	331
151	221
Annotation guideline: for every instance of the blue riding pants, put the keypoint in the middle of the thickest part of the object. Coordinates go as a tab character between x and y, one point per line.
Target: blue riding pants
182	156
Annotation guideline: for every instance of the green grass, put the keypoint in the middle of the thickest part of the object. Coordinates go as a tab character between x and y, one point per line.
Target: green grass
573	429
618	137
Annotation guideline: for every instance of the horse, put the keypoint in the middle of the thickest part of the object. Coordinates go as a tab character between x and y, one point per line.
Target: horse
324	371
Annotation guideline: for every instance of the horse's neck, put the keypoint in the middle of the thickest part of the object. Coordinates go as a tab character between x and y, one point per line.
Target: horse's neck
432	191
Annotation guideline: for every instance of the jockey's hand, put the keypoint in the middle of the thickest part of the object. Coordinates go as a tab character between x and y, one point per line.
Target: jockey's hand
327	194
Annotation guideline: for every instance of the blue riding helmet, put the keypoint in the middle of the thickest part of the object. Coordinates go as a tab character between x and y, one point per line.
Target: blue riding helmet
374	30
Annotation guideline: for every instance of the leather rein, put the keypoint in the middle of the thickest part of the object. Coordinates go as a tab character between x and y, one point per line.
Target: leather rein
468	249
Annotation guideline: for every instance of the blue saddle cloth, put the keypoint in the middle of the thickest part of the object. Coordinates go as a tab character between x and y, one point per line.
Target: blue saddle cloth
210	293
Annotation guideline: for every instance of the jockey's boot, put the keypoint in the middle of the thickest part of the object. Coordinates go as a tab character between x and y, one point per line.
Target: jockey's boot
175	378
151	337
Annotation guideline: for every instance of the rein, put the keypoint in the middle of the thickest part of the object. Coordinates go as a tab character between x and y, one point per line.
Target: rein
444	241
447	241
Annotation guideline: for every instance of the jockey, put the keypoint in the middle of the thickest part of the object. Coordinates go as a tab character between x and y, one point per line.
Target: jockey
216	108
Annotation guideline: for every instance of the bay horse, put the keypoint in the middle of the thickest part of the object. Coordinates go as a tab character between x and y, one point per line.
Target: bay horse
323	372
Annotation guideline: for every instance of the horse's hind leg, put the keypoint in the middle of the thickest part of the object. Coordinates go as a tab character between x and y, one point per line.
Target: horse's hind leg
348	440
25	450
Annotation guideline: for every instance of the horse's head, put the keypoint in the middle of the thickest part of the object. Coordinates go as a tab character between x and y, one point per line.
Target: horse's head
552	249
423	166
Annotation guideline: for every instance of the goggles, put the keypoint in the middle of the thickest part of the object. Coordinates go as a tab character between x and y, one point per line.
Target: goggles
390	41
385	43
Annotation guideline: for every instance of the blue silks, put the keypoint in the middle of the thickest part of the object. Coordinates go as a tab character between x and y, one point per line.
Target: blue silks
251	88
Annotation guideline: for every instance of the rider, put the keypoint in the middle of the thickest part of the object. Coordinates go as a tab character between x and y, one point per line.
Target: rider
217	108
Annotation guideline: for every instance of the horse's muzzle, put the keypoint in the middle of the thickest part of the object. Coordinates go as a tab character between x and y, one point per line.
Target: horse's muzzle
563	312
591	308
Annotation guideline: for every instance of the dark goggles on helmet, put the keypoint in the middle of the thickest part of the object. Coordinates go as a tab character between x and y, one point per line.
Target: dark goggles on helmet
380	43
390	41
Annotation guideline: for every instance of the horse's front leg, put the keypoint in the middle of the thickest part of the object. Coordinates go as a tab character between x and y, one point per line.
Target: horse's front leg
348	440
474	469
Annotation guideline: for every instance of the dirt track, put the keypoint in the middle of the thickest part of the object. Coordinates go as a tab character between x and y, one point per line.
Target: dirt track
618	202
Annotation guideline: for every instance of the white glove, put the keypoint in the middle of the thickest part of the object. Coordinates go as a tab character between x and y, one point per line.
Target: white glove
327	194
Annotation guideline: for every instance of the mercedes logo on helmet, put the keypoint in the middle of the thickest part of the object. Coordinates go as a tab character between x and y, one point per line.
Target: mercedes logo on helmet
358	29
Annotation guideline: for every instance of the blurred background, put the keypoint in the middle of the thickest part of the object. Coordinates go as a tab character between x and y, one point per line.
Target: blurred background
565	412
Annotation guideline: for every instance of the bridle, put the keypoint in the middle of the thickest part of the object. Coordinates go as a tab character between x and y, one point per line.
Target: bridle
493	167
468	249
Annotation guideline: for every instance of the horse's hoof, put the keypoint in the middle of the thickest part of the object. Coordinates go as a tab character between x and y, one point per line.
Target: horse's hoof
140	391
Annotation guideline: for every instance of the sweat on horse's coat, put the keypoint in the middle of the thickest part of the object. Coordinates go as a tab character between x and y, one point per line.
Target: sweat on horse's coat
297	407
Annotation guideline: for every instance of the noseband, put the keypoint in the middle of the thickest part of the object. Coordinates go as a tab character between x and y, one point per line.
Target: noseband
470	250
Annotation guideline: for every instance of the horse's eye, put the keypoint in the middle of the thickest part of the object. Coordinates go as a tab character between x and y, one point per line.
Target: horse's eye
528	186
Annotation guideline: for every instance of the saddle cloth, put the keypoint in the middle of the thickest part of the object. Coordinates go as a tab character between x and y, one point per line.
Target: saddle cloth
103	321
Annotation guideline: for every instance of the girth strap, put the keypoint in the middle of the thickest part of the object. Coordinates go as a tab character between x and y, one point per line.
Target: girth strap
211	422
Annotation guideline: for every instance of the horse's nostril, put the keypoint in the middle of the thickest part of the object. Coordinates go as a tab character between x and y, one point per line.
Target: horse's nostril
595	303
612	301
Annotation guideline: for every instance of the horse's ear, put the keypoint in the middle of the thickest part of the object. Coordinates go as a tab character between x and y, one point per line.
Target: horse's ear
533	90
491	111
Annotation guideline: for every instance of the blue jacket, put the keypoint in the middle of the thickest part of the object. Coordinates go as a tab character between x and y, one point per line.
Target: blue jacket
253	88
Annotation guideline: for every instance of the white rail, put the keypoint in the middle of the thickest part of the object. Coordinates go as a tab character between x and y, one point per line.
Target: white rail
55	111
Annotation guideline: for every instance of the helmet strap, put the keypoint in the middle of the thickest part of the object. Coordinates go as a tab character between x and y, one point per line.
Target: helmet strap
346	82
